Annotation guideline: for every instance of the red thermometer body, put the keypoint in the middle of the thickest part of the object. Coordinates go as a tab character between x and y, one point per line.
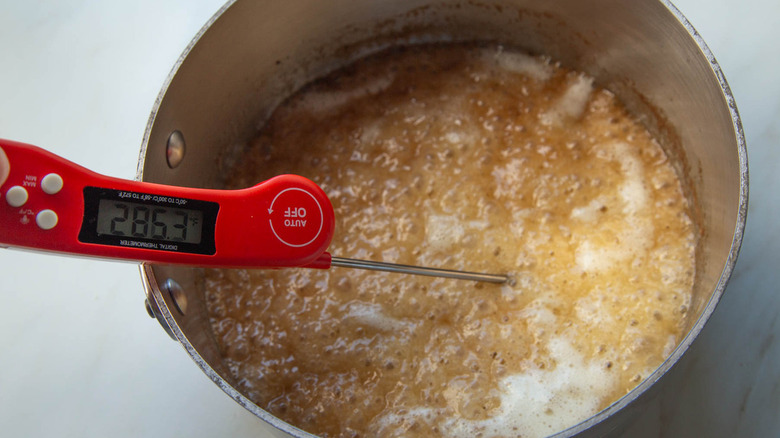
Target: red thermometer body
51	204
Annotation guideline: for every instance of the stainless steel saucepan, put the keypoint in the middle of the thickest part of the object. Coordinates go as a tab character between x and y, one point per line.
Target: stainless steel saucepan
252	55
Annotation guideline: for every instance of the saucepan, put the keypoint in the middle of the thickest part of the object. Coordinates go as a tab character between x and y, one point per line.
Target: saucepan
251	55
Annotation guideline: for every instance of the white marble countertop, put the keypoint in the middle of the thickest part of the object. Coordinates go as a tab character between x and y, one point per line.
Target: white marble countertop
79	357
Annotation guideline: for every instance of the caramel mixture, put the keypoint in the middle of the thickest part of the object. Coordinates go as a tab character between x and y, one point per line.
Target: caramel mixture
475	158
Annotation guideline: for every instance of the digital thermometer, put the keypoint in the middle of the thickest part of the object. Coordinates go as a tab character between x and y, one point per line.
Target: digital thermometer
48	203
51	204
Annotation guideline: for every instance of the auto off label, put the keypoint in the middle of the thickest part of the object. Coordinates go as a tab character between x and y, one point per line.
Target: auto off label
295	217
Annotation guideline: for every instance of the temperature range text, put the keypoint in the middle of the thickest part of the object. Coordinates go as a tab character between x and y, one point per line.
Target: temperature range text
145	197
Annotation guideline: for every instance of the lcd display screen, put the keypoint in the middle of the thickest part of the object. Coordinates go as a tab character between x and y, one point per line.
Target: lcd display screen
148	221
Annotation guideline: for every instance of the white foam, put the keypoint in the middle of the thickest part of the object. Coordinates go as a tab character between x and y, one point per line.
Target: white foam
538	313
319	102
571	105
590	212
541	402
510	177
371	315
453	137
535	403
633	191
591	257
463	135
517	62
634	238
443	232
634	195
517	226
397	423
592	311
478	225
671	344
635	231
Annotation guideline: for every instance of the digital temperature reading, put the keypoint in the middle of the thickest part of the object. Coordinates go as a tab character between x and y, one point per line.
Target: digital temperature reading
148	221
121	218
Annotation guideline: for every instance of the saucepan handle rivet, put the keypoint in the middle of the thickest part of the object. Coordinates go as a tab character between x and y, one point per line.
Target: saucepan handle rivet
174	151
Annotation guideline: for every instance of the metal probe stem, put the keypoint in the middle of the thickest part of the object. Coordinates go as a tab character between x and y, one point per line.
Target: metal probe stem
418	270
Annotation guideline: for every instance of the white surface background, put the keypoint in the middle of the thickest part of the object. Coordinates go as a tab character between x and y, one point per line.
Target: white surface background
79	357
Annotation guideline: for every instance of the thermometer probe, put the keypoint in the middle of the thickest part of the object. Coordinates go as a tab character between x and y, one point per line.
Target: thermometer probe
51	204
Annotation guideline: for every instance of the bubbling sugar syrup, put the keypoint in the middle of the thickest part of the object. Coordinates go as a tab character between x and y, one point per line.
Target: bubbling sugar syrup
464	157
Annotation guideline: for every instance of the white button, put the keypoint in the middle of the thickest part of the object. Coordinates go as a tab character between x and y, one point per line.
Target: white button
46	219
16	196
51	183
